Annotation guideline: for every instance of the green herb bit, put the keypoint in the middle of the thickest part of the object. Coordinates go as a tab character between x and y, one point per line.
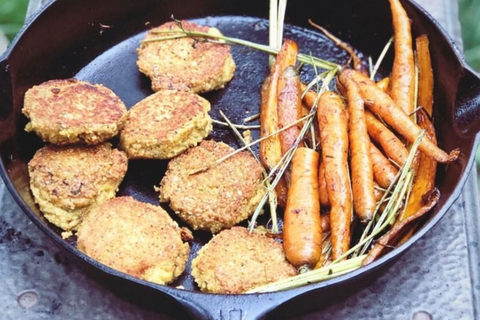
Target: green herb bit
272	196
236	126
196	35
391	210
380	58
314	276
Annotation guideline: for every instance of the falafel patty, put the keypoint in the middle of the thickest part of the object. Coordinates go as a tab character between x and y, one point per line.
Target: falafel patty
136	238
165	124
72	111
67	181
217	198
235	261
185	64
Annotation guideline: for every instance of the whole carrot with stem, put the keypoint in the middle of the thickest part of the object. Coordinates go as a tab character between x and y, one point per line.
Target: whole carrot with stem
333	124
270	149
402	88
361	164
302	231
289	110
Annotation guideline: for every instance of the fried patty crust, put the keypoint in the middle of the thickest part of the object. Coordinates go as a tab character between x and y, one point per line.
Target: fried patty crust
185	64
217	198
165	124
72	111
136	238
67	181
235	261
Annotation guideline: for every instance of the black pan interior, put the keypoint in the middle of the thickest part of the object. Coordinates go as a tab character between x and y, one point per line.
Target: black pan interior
96	41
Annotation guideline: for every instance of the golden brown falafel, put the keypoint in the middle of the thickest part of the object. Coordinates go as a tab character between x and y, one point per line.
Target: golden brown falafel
219	197
184	64
71	111
137	238
165	124
67	181
235	261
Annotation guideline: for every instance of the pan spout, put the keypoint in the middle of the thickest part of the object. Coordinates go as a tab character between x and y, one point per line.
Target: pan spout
467	111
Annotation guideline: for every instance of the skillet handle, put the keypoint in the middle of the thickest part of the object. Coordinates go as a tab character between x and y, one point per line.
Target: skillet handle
232	307
467	110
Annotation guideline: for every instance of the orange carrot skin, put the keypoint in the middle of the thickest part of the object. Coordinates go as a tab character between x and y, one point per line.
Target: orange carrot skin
378	193
333	124
392	146
402	87
325	222
322	186
289	110
270	149
384	171
425	176
425	75
423	183
289	107
361	164
381	103
310	96
383	84
302	231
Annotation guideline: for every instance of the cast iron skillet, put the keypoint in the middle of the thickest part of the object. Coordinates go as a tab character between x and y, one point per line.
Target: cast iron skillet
95	40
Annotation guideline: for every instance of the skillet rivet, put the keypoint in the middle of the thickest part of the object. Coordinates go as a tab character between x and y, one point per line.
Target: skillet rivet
27	299
422	315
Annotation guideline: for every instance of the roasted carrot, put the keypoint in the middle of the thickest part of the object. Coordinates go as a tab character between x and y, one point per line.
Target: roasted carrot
360	163
322	186
425	75
289	107
270	149
384	171
325	222
383	84
402	88
357	62
390	238
281	188
310	96
302	231
289	110
333	124
381	103
392	146
424	178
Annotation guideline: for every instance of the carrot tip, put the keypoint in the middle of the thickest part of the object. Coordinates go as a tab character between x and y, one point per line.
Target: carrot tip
453	155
